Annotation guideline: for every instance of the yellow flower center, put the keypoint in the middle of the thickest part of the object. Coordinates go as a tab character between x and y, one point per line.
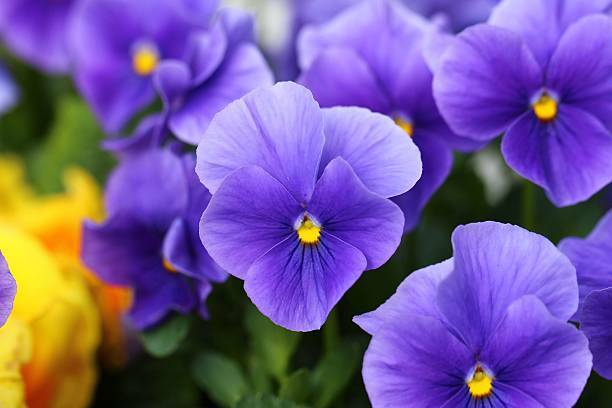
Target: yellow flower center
481	385
308	232
145	59
169	267
406	125
545	108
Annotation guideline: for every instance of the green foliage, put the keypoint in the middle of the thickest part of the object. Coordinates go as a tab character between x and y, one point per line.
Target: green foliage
221	377
165	339
266	401
334	372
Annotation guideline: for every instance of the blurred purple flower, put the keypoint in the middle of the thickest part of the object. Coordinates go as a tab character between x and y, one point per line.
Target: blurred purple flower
9	94
485	328
299	206
8	288
593	260
150	240
544	79
117	45
35	30
373	56
225	64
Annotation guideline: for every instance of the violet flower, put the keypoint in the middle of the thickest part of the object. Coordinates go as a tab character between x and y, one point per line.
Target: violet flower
593	260
150	240
540	72
36	30
299	207
486	328
373	56
8	288
9	94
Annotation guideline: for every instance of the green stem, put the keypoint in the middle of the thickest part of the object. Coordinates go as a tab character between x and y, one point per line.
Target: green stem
529	206
331	331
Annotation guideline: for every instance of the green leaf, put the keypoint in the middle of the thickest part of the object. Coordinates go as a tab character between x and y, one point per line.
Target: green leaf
297	387
334	372
272	344
165	339
266	401
220	377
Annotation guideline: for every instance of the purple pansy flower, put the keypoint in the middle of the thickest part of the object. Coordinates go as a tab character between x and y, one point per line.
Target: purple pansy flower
299	207
8	288
593	260
35	30
373	56
225	65
9	94
150	240
485	328
541	72
117	46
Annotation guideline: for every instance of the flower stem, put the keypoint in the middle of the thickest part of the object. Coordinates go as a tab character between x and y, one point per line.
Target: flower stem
529	206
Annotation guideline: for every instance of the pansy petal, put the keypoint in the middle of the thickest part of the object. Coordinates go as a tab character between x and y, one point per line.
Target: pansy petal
207	49
297	285
597	325
249	214
171	79
538	354
437	164
278	128
8	288
9	93
485	81
339	77
571	157
242	71
384	158
587	85
148	134
346	209
412	298
403	367
502	262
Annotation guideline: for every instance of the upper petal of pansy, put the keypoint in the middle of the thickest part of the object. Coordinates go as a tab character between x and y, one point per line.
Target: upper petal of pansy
597	325
278	128
541	356
384	158
345	208
340	77
148	134
412	298
570	157
248	215
150	187
415	361
437	163
588	84
485	81
297	285
496	264
540	23
243	70
8	288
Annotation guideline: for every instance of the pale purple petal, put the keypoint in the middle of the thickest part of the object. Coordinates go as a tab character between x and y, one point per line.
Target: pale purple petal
297	285
597	325
9	93
571	157
8	288
248	215
278	128
346	209
384	158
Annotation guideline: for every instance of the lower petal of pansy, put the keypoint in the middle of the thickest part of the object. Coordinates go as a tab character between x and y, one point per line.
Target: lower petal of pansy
296	285
484	81
249	214
539	355
570	157
8	288
502	262
597	325
346	209
415	362
437	164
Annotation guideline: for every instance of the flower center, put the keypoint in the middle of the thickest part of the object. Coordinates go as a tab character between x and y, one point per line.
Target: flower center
169	267
405	124
145	58
308	232
481	385
545	108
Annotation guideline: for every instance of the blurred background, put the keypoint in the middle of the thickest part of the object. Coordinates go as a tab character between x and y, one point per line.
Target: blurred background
52	172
